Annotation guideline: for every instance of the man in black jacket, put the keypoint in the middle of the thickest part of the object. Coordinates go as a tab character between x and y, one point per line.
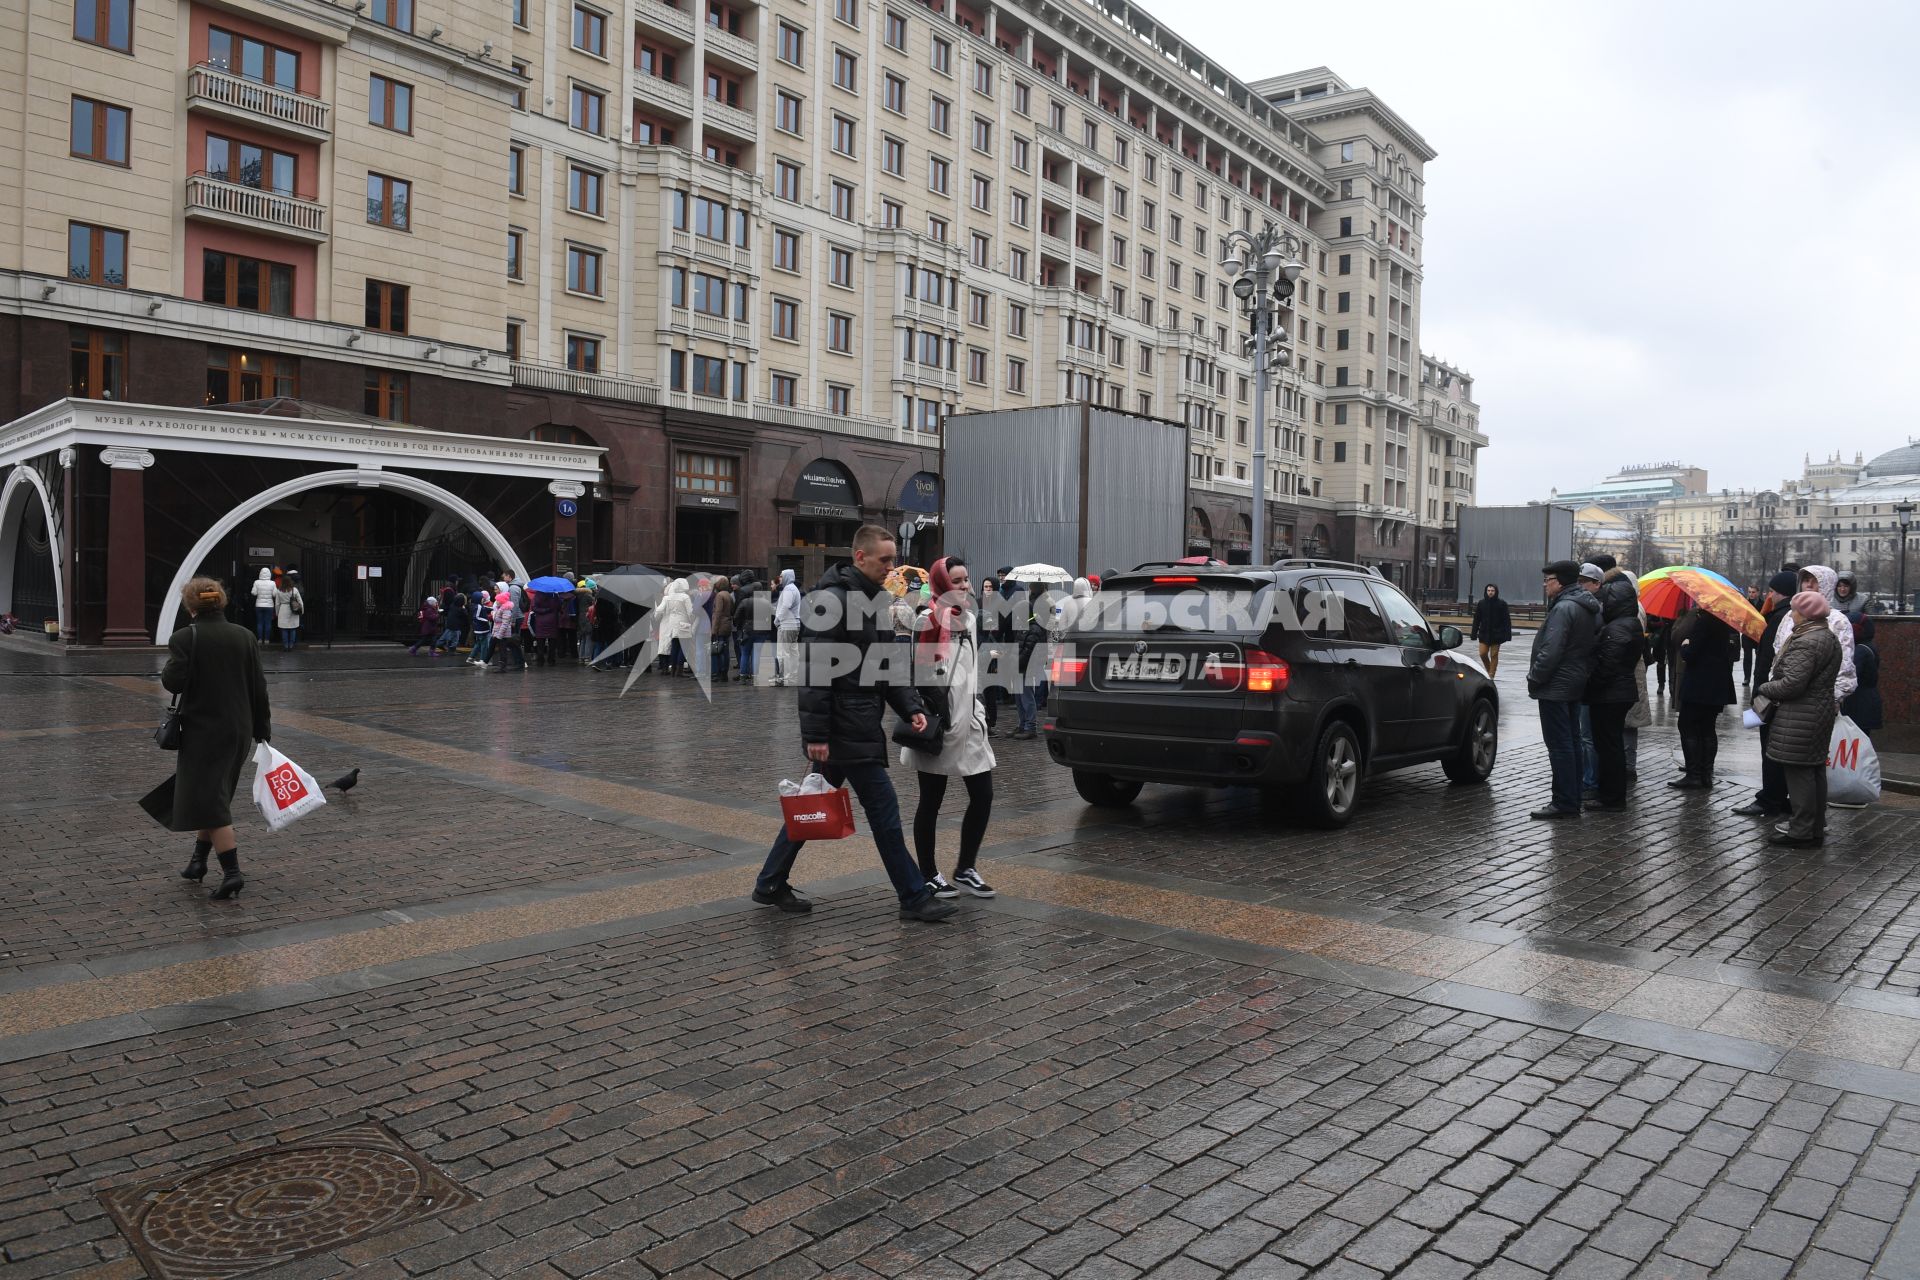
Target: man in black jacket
1557	675
1771	800
843	702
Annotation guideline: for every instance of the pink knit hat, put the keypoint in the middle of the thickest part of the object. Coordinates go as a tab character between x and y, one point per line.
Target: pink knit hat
1810	605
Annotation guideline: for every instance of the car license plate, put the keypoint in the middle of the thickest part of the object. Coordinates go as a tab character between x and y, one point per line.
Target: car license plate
1166	668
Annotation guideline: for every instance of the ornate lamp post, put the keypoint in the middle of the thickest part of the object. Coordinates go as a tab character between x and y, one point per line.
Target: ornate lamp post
1264	265
1905	512
1473	566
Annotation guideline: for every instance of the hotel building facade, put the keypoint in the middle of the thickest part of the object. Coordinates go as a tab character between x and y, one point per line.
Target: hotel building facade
681	284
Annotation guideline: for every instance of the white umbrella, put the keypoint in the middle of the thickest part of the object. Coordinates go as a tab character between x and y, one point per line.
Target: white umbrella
1044	574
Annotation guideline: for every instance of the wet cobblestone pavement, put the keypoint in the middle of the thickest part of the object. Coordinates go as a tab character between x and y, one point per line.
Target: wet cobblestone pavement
1189	1040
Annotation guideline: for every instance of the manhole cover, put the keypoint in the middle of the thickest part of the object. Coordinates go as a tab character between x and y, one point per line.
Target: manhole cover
272	1206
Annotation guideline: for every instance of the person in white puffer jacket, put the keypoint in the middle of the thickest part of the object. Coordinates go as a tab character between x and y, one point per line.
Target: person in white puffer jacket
674	636
263	590
1818	577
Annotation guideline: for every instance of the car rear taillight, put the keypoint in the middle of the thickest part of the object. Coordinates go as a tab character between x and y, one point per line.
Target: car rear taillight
1266	673
1262	672
1068	672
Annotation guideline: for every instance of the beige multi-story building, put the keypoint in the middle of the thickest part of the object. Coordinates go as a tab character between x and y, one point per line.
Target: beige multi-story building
757	254
1446	465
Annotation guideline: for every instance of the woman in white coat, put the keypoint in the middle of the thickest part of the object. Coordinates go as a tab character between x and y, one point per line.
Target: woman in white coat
263	593
947	674
290	604
674	639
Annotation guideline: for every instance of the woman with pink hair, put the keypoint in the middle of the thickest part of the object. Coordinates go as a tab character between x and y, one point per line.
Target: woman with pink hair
946	672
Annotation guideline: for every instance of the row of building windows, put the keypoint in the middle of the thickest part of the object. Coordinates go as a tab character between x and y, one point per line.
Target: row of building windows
98	370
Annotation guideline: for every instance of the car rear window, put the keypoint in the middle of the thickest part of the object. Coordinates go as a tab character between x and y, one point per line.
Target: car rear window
1233	606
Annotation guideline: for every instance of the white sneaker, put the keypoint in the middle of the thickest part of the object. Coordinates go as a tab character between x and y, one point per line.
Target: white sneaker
970	881
942	887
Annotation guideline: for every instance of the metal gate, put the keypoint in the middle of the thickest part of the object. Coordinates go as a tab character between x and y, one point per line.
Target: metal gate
34	596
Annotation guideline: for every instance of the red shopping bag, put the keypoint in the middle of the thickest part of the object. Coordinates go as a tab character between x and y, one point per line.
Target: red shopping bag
823	815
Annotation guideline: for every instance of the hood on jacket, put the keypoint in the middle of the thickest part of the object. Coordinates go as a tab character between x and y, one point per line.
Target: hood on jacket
266	575
786	577
678	587
1824	578
1581	599
1618	595
1845	578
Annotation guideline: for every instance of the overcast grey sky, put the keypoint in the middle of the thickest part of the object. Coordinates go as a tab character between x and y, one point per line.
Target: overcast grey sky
1656	231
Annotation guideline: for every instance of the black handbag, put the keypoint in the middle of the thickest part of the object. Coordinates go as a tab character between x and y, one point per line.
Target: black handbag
167	736
929	742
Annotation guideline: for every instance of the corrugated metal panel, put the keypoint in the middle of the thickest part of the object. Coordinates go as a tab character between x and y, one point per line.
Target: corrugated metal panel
1137	491
1012	486
1512	544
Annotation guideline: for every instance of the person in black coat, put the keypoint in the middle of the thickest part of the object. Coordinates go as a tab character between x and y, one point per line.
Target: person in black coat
1771	801
1492	627
1612	688
1862	706
214	667
1708	650
845	691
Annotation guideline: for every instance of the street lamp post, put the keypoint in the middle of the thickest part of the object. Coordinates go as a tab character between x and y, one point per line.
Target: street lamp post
1905	512
1264	265
1473	566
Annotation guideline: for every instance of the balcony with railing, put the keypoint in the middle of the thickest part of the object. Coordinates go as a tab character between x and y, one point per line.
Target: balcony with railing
664	17
731	120
255	208
663	95
736	49
549	377
220	92
928	313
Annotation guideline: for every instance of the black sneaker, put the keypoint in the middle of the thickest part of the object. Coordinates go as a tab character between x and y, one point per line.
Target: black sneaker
1550	814
927	907
784	898
942	887
970	881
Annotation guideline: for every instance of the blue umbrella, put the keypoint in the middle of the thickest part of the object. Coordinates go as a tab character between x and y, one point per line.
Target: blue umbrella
550	585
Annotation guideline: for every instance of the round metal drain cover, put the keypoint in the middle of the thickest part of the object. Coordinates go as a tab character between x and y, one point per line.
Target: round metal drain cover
269	1207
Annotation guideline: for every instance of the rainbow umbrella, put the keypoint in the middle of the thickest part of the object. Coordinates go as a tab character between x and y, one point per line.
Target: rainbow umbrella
1665	591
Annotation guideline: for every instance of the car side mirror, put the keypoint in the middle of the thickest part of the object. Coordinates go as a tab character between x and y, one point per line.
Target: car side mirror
1450	638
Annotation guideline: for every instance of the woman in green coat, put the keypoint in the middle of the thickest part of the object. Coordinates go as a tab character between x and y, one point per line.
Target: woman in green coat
215	668
1800	687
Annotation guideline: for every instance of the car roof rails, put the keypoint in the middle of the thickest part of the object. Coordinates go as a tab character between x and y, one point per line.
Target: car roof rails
1328	564
1191	562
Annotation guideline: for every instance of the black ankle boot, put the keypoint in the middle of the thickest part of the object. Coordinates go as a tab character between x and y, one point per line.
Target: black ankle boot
196	868
231	884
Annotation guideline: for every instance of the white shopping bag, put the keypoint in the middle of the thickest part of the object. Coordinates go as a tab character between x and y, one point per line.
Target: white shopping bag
282	789
1853	766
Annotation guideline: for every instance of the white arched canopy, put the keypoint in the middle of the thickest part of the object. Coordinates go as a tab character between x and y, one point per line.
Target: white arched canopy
364	478
23	484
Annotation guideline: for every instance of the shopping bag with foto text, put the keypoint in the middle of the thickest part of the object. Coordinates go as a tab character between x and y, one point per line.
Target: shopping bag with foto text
816	810
281	788
1853	766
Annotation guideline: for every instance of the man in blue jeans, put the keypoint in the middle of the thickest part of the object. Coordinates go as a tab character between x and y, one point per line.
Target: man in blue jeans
1557	679
843	702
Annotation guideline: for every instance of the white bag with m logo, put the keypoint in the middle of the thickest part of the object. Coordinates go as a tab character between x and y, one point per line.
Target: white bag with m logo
1853	766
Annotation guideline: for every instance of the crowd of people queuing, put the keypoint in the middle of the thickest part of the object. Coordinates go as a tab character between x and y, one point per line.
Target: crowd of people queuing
1589	674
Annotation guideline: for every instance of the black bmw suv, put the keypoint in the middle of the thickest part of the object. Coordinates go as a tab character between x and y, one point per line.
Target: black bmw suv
1302	678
